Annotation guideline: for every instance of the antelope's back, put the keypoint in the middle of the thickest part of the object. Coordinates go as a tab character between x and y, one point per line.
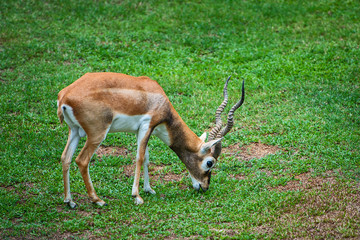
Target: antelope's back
114	91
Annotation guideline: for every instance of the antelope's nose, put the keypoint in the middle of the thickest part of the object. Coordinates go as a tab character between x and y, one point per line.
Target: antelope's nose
204	189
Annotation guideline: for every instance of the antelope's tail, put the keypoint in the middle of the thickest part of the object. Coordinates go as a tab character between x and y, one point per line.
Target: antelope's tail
60	112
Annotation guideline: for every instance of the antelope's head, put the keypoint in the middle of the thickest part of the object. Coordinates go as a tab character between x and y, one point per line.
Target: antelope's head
209	152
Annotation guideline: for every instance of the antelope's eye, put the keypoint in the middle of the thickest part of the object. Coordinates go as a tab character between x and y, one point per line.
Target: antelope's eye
209	164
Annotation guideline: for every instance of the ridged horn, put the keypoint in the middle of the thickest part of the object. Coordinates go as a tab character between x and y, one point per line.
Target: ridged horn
230	122
218	123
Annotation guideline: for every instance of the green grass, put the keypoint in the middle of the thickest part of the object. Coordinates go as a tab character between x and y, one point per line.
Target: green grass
300	63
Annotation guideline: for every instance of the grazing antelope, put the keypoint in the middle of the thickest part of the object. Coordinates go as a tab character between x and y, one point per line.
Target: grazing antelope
99	103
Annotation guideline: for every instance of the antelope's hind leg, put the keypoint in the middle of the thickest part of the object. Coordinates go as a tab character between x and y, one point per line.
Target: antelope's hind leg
83	160
71	145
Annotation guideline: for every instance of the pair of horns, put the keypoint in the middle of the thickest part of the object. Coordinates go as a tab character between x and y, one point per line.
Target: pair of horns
218	131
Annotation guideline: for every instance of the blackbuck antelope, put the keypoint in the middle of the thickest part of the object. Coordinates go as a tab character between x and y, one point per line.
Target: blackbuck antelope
99	103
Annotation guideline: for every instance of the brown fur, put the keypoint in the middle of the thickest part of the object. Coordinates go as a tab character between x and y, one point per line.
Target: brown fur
97	97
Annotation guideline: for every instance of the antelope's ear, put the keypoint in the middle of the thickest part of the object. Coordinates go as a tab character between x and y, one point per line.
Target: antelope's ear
203	137
206	146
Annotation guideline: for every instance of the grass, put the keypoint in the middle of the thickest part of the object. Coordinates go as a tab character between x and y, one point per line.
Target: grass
300	63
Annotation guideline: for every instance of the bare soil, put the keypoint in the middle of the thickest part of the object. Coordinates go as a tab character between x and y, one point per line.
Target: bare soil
157	173
253	150
111	150
326	207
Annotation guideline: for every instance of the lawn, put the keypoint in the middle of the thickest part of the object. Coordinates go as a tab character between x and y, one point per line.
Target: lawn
290	168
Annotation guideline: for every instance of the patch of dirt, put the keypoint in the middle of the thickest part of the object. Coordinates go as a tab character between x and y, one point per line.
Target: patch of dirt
67	63
129	170
86	234
156	172
160	173
329	208
305	181
254	150
111	151
20	186
8	187
23	190
237	176
225	231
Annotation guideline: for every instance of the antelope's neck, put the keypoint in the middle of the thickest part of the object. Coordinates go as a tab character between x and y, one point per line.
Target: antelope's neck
183	140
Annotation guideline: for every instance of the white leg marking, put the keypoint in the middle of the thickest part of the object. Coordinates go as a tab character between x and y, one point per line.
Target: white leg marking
147	187
82	133
73	142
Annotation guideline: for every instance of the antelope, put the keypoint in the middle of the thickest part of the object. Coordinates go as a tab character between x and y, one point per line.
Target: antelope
100	103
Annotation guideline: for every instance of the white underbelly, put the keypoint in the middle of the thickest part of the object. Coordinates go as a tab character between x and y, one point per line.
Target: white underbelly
134	124
125	123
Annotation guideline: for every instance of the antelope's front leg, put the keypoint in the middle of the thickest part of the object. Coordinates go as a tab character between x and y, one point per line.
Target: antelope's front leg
142	140
147	187
135	188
